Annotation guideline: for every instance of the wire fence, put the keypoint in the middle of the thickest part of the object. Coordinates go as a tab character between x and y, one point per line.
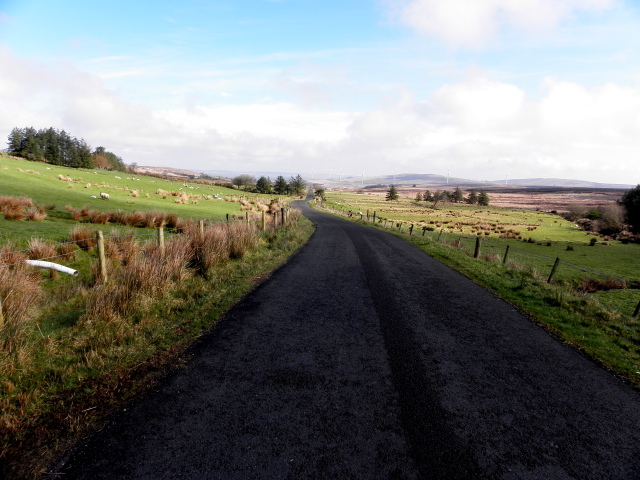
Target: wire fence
85	253
553	268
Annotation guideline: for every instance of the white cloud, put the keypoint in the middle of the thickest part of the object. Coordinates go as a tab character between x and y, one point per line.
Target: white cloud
475	23
479	129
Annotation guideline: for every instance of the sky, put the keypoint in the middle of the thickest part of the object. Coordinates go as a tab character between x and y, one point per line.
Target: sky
478	89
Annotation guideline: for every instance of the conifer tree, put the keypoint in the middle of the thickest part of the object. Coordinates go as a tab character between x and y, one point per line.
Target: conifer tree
392	194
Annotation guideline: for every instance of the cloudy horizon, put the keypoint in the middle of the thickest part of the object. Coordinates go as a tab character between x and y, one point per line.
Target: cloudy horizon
480	90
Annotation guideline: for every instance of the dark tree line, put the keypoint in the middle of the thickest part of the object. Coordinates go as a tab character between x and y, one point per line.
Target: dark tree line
295	186
57	147
455	196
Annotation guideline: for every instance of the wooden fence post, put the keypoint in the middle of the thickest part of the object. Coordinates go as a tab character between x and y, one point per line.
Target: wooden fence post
102	260
476	254
161	240
553	270
374	217
424	229
283	217
264	221
441	230
247	217
227	218
635	314
201	224
506	255
367	215
411	230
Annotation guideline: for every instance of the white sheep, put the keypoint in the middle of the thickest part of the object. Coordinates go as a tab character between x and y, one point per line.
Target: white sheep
104	196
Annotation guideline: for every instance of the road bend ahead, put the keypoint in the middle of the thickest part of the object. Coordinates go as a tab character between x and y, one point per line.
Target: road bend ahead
365	358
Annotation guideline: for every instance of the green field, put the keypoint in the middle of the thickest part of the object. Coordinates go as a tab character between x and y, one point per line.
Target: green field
41	183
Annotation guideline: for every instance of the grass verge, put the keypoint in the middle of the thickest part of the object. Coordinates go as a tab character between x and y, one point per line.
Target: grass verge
74	367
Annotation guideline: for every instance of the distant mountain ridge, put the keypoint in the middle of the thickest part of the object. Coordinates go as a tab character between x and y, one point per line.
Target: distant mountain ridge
414	178
421	179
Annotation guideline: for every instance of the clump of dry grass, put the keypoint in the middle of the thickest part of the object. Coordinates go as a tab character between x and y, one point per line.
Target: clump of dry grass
133	219
592	285
67	250
274	206
20	292
152	219
148	275
35	214
171	220
242	238
83	237
14	213
208	248
40	249
13	256
98	217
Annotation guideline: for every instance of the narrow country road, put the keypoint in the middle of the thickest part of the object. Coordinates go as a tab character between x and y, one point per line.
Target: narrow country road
365	358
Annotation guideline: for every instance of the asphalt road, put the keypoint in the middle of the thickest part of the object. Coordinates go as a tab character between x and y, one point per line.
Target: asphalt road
365	358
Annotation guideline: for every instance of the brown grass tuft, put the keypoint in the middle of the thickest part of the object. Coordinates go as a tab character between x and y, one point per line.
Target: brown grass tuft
14	213
242	238
84	237
98	217
40	249
35	214
10	254
20	293
67	250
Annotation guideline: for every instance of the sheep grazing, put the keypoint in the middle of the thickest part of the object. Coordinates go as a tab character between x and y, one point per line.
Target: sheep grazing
93	196
104	196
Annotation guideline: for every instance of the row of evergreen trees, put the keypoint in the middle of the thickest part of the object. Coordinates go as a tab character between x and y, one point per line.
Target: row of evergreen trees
455	196
444	196
295	186
59	148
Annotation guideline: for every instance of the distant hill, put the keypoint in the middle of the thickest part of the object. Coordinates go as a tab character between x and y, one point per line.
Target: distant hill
178	173
401	179
559	182
430	179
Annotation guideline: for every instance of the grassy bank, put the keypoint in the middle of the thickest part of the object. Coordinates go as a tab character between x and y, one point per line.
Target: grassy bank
57	190
594	326
88	348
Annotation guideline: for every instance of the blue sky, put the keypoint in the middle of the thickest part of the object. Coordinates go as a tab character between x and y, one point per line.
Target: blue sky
482	89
